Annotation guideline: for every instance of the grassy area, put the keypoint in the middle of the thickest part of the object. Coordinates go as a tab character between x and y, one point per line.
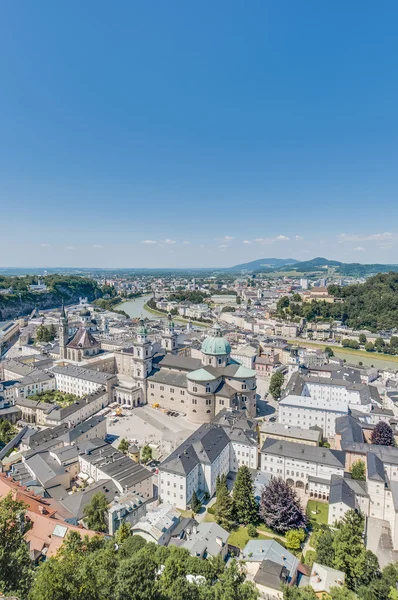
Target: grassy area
209	518
342	350
240	537
322	510
55	397
309	558
266	529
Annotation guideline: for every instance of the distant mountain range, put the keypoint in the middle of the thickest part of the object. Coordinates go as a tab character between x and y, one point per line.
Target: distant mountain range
315	265
264	263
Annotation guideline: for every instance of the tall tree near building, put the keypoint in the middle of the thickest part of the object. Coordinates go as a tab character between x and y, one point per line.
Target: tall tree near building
196	505
280	507
358	470
95	512
123	446
244	502
223	508
275	385
382	435
16	571
350	555
146	454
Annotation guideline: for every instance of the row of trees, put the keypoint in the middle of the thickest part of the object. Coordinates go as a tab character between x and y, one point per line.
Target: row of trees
126	568
279	506
46	334
371	305
344	549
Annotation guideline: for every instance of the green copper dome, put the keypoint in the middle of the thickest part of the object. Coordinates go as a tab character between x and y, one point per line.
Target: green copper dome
215	344
142	330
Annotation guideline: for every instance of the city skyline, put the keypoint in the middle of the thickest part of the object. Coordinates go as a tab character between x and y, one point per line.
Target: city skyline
154	136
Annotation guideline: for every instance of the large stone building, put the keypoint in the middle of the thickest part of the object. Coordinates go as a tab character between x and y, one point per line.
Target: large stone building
197	387
82	345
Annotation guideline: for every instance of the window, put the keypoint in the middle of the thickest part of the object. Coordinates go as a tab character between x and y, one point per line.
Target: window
194	401
161	388
172	390
194	389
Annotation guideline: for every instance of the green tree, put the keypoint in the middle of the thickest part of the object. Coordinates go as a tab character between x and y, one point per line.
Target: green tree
275	385
324	548
123	446
292	592
223	507
244	501
329	351
358	470
146	454
369	347
296	297
379	344
15	565
342	593
196	505
136	578
362	339
252	530
95	512
131	545
350	555
7	431
294	539
231	585
123	533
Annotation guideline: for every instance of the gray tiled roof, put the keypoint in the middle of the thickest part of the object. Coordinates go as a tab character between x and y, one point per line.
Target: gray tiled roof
203	446
324	456
175	361
75	503
345	490
349	429
169	378
375	468
117	466
86	374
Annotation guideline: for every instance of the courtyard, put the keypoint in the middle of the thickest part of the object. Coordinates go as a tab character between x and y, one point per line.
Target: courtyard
147	425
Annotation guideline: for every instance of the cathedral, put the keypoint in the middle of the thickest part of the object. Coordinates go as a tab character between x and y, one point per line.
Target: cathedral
82	345
197	387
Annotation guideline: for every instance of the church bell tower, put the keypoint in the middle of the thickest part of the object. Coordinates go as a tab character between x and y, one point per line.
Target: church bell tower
63	332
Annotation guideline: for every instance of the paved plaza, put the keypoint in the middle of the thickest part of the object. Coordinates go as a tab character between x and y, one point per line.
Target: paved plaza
150	426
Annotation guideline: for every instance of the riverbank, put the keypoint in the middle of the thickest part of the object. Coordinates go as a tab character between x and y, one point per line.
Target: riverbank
369	358
175	318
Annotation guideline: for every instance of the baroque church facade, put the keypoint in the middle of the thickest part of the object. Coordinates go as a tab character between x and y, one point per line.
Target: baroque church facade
199	388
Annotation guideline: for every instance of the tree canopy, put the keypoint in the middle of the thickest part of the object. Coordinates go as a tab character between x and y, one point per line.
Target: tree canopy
95	512
87	570
382	435
280	508
275	385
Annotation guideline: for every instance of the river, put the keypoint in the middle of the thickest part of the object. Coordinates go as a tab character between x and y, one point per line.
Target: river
135	307
368	360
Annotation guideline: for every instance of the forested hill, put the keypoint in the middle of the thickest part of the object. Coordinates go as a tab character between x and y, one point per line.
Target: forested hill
20	300
371	305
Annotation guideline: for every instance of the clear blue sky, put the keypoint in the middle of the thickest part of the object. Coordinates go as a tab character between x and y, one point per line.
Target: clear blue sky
213	130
